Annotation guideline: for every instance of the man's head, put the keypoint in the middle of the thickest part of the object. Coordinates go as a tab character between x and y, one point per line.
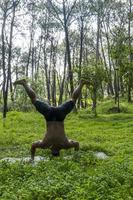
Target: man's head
55	152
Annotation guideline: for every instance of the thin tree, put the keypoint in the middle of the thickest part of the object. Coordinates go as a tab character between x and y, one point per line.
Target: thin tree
65	22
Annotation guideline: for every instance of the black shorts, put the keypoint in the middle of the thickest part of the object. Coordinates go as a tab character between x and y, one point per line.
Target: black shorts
54	113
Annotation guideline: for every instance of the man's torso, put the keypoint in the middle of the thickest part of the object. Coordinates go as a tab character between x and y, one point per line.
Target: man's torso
55	133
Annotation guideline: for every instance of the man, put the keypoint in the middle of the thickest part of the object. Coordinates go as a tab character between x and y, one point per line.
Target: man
55	138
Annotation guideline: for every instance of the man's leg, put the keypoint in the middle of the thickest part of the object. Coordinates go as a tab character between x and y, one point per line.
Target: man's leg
29	91
68	106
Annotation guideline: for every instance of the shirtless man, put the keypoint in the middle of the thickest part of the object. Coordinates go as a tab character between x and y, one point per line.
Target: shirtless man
55	138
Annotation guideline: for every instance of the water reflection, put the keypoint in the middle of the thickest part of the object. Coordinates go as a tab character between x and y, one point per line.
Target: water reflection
101	155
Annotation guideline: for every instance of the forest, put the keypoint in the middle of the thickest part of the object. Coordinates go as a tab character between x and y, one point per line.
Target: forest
53	45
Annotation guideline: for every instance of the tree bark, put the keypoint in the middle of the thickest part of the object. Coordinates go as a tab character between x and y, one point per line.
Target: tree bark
47	75
62	83
130	52
9	79
81	57
70	73
4	65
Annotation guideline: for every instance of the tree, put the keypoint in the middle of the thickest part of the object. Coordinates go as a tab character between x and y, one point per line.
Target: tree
65	12
7	7
130	18
95	76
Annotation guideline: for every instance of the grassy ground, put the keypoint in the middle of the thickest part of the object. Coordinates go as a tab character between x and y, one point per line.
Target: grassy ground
80	177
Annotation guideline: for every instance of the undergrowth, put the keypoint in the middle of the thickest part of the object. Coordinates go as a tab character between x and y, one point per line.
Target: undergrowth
74	175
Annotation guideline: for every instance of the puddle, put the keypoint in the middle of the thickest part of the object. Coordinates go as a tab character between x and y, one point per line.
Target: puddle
24	159
101	155
68	157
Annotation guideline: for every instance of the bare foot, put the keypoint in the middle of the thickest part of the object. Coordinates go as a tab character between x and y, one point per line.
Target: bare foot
20	82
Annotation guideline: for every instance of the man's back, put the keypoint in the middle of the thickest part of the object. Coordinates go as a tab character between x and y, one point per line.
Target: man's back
55	132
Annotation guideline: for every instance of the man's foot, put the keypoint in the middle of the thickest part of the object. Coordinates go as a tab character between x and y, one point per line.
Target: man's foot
20	82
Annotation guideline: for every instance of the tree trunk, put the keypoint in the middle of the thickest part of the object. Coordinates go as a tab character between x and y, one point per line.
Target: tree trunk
70	73
30	53
46	74
4	66
80	57
54	75
38	59
110	89
94	100
97	62
62	83
9	80
130	51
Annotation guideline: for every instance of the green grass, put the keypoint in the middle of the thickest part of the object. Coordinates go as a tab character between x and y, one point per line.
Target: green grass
80	177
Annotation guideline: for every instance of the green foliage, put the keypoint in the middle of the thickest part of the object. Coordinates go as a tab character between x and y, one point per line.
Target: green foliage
74	175
95	76
122	52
